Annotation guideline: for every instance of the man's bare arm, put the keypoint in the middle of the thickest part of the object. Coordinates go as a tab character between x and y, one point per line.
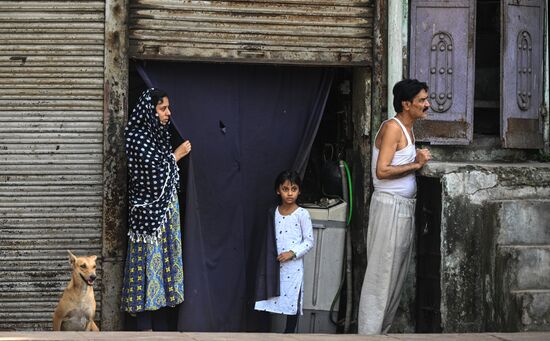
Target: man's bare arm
390	140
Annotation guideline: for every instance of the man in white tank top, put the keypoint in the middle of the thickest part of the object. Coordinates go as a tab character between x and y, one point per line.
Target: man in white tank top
391	217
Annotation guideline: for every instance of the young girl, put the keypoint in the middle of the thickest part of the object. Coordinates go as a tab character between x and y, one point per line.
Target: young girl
294	238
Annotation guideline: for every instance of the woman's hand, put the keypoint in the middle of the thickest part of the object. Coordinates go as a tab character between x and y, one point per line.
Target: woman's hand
182	150
286	256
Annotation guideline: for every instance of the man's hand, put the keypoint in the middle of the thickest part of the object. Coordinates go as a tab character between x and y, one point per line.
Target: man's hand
423	156
286	256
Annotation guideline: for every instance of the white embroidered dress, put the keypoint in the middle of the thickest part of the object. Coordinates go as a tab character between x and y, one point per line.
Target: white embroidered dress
292	232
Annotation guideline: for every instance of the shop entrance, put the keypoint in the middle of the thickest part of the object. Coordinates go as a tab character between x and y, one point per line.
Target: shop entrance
328	95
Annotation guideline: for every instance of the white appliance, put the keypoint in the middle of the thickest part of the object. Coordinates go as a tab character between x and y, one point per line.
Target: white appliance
323	266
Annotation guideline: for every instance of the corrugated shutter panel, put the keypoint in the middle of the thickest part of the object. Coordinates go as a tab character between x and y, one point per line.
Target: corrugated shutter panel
51	145
522	73
442	55
333	32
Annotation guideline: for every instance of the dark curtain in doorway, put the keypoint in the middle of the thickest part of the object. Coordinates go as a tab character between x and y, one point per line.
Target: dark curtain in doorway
246	124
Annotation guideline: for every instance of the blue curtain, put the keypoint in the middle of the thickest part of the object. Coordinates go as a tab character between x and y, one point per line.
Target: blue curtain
246	124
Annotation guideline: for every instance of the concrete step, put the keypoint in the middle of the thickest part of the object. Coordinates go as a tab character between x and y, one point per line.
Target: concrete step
187	336
525	221
533	308
515	241
523	267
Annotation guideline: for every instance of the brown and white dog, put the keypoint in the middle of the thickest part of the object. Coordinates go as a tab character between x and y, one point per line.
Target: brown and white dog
76	309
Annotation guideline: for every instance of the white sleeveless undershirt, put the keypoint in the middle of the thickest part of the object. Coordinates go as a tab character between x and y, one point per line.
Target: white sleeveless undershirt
404	186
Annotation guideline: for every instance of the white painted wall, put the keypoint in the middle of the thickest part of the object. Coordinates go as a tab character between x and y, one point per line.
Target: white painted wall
398	28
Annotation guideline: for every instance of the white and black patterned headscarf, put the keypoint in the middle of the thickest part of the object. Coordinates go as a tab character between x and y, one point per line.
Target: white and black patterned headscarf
153	176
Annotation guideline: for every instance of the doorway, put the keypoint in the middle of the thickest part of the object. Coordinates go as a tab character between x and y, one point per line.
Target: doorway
428	275
334	134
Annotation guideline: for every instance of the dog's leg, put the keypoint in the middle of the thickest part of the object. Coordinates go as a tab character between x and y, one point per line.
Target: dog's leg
92	327
56	323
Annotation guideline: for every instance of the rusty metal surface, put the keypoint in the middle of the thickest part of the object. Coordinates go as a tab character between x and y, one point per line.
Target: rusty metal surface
524	133
51	146
281	31
442	132
114	166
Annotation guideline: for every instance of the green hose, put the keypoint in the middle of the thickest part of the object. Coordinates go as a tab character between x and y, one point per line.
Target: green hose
348	271
350	192
346	274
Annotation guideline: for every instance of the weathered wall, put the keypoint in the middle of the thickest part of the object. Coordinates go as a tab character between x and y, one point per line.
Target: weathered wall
489	282
114	167
369	109
485	149
360	169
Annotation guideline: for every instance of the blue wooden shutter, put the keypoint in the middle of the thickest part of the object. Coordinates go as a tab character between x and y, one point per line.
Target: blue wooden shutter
522	73
442	54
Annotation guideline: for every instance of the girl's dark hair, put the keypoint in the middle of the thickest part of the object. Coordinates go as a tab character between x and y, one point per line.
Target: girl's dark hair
292	176
157	95
406	90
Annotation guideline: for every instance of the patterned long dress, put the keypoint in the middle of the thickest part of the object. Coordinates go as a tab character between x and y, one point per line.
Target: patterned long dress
154	272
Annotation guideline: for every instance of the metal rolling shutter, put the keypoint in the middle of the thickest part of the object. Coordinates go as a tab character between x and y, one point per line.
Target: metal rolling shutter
51	145
329	32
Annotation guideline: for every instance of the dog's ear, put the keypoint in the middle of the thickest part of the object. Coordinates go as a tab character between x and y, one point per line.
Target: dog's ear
94	257
72	258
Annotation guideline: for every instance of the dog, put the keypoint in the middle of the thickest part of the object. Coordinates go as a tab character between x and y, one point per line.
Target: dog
76	308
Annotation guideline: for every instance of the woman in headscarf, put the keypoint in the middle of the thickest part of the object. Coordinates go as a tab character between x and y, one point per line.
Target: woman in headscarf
153	277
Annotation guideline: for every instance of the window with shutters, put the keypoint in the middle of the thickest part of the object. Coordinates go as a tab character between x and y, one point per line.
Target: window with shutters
483	62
